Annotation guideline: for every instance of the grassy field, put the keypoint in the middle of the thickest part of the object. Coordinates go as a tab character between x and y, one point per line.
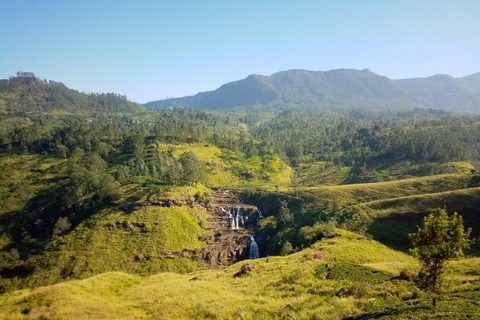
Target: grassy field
389	211
359	193
224	167
120	250
324	173
147	241
291	287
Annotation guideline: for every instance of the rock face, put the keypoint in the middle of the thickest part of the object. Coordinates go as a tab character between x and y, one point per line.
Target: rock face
243	270
226	249
227	245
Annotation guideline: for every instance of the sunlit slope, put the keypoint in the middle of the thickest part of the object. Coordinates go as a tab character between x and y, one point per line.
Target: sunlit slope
148	240
389	211
324	173
226	169
275	286
360	193
292	287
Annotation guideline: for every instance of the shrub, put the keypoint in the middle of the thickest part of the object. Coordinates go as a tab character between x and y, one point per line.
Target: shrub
286	249
351	272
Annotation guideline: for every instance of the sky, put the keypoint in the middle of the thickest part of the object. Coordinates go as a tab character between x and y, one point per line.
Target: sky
151	50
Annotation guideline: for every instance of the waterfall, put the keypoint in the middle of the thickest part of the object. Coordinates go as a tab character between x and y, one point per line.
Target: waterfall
235	218
253	254
260	215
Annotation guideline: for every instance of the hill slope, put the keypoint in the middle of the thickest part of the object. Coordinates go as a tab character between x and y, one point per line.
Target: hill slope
337	89
358	280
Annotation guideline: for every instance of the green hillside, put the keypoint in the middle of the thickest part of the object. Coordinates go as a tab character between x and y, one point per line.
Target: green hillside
303	289
108	209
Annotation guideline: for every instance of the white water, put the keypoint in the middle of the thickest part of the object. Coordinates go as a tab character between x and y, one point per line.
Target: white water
253	254
260	215
235	218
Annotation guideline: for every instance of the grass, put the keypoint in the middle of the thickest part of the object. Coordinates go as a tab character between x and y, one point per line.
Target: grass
224	167
391	220
453	200
322	173
276	288
21	176
148	240
360	193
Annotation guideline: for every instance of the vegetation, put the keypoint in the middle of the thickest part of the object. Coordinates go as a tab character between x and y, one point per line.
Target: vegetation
362	283
96	187
440	239
336	90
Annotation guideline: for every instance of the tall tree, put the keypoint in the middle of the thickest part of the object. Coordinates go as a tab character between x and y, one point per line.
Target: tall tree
193	168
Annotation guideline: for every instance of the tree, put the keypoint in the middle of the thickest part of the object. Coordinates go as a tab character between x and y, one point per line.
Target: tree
440	239
175	172
285	215
193	169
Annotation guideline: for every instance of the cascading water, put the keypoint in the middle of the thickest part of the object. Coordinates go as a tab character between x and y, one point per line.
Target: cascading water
235	218
253	254
260	215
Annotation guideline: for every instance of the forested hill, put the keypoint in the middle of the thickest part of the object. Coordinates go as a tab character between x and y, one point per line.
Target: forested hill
27	94
338	89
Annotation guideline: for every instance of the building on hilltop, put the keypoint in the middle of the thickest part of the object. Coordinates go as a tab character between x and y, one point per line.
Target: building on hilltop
25	74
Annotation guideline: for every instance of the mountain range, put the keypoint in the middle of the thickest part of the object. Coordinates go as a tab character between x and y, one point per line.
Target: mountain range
338	89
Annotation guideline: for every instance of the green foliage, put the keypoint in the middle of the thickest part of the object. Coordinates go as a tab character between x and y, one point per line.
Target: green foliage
351	272
204	197
311	234
284	213
88	174
32	94
286	249
440	239
193	169
62	226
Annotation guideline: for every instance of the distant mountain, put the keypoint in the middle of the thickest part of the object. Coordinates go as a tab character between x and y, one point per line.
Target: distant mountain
338	89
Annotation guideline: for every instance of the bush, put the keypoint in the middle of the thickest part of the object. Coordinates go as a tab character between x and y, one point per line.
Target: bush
351	272
286	249
204	197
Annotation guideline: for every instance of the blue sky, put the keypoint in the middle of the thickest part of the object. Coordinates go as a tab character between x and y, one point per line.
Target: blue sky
151	50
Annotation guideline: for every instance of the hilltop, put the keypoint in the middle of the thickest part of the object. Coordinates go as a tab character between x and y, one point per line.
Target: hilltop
30	94
335	90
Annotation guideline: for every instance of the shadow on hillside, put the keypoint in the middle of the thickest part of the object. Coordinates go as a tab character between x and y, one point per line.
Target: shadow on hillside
393	230
31	228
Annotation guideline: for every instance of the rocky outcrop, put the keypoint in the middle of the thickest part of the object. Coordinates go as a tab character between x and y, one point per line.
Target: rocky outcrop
228	246
243	270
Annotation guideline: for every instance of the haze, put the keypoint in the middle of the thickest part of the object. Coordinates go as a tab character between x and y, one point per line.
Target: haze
152	50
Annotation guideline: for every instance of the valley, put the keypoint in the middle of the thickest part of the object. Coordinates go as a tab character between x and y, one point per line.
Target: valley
110	209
